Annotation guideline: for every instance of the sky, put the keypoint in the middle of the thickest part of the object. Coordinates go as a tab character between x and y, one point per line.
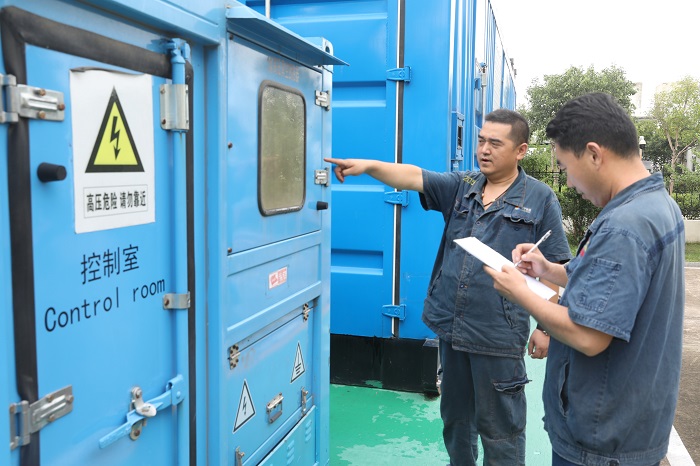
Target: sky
654	41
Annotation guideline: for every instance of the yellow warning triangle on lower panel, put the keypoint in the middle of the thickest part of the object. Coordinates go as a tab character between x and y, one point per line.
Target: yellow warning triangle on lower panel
114	149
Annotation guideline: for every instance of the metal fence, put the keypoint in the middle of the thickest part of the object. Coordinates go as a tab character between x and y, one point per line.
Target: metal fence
687	198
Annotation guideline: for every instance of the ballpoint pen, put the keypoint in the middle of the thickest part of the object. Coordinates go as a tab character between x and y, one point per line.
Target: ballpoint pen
544	237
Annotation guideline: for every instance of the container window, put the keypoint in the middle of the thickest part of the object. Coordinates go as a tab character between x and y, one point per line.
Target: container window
282	157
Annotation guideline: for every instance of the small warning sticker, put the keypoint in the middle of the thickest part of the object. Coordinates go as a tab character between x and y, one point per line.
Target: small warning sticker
114	149
277	278
246	408
298	368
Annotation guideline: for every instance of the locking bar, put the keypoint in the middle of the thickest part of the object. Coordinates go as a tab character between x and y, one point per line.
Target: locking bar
174	394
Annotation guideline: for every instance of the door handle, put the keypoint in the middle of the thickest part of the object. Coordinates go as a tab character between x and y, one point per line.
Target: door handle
48	172
321	205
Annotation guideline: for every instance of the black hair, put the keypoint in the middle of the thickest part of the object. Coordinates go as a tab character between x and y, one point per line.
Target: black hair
519	129
594	117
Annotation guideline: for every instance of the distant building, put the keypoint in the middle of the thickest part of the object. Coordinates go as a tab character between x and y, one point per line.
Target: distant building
637	101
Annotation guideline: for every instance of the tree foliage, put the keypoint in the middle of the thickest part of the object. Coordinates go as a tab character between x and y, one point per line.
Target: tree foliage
548	97
578	213
677	114
656	149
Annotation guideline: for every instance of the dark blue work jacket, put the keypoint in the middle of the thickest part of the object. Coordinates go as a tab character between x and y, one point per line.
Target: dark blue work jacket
462	305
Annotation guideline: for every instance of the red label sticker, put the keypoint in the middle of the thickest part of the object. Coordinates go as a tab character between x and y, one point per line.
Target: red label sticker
277	278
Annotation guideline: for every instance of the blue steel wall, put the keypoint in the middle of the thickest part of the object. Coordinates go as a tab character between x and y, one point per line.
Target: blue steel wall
444	69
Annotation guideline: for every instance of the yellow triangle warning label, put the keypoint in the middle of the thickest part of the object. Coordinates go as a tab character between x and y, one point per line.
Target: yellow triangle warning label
114	149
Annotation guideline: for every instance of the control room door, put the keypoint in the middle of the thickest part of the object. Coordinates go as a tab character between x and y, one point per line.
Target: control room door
92	212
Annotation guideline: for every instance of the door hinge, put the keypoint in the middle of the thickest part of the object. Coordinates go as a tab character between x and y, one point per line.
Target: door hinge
323	99
26	419
396	197
29	102
391	310
399	74
322	177
174	107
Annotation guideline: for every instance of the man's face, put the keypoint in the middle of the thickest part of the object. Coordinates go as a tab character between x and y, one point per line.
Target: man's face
497	153
580	174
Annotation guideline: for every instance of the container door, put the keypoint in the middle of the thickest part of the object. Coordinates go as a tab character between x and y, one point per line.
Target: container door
273	352
274	285
92	212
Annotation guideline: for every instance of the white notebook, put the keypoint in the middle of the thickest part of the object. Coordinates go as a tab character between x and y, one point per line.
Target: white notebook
496	261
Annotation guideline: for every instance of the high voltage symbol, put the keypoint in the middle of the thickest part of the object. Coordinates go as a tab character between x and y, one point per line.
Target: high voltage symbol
246	408
114	149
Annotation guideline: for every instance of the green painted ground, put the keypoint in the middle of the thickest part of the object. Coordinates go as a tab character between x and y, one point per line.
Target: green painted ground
371	426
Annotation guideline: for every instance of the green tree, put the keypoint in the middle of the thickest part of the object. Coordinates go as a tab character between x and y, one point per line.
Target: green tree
548	97
677	113
656	149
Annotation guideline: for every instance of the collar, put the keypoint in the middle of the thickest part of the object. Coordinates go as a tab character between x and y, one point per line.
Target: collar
650	183
515	194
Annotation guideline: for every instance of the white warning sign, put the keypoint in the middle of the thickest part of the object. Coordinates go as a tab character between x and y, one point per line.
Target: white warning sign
113	149
246	408
298	368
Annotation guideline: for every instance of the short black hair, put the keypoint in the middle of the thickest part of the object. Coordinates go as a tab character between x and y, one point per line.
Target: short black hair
519	129
594	117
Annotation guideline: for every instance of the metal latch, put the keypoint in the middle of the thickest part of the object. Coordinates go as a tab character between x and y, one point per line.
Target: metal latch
396	197
135	419
399	74
323	99
304	395
29	102
322	177
274	408
174	107
176	301
239	456
26	419
398	312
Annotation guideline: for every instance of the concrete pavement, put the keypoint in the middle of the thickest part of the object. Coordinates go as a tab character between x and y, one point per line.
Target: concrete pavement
688	410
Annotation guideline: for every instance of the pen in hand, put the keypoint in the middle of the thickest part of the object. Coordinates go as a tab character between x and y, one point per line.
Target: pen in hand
546	235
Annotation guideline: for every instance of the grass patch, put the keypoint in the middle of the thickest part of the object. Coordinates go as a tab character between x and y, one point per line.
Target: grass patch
692	252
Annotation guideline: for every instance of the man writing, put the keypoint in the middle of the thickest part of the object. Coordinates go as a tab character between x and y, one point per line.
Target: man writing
482	337
614	360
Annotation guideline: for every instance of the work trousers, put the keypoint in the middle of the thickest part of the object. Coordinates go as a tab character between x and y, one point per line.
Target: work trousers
483	396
